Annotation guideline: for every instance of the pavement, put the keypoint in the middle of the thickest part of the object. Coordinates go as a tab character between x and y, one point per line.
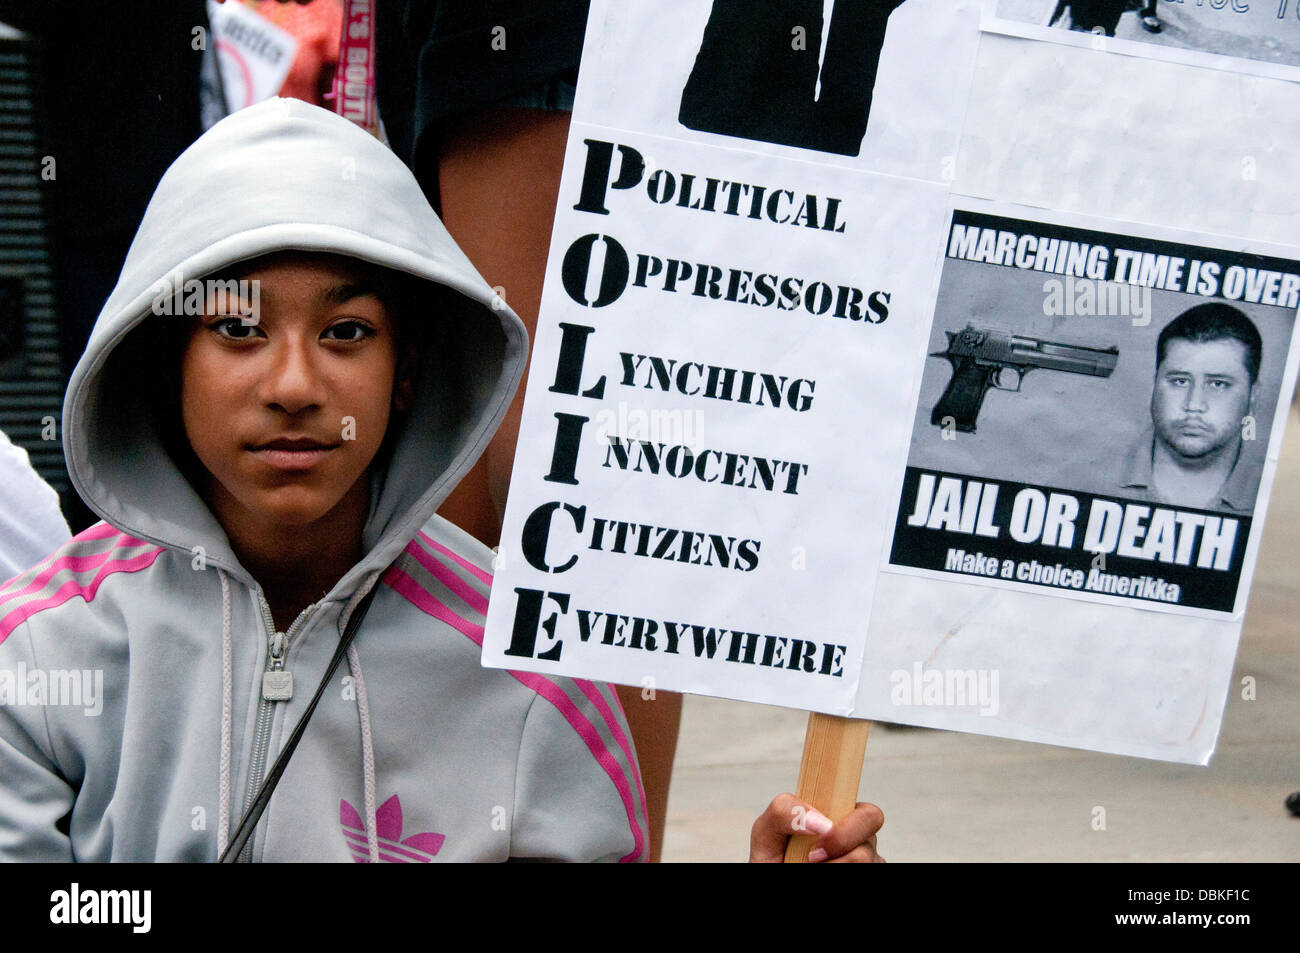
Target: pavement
960	797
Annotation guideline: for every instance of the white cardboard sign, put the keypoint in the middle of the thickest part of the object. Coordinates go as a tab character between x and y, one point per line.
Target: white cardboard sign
732	476
720	392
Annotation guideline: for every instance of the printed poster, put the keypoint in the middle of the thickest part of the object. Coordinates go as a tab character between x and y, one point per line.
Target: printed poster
254	55
1260	36
1095	434
1096	413
721	383
1005	416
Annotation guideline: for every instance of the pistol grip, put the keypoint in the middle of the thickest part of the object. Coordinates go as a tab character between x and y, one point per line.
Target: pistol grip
965	393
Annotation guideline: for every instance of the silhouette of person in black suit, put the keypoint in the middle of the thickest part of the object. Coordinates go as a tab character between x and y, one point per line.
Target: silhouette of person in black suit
757	74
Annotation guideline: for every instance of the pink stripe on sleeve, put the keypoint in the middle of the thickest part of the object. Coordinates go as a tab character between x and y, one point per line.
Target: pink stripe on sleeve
447	576
98	531
429	604
73	588
555	695
596	698
94	533
482	574
73	563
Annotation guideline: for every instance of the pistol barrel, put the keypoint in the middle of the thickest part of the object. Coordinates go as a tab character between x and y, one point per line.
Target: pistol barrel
1099	362
994	346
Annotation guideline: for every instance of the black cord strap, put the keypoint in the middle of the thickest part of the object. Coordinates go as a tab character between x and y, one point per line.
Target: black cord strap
249	822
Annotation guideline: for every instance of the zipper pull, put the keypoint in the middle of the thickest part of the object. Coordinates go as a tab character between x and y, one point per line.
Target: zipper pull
277	684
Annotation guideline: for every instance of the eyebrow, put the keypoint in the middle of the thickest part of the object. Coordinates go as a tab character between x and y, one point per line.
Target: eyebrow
341	294
1212	375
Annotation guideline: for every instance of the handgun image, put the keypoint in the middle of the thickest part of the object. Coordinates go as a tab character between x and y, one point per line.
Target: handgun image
987	357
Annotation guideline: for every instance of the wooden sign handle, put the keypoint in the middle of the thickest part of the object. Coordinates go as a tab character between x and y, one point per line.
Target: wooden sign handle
833	750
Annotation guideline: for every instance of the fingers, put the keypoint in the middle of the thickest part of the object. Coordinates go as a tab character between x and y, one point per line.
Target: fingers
767	838
851	840
856	830
786	815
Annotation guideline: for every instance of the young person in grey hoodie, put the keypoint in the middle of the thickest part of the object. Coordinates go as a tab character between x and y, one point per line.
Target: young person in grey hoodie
318	460
296	366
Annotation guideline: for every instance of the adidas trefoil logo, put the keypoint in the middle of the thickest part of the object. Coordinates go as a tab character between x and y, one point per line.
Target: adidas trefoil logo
416	849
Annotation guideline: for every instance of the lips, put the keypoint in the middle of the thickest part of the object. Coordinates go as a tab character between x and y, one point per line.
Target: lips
294	444
292	452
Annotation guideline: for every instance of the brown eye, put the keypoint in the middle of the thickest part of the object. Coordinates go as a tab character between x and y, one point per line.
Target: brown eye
234	329
348	331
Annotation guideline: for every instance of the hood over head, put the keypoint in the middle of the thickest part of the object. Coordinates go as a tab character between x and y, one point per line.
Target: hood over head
286	175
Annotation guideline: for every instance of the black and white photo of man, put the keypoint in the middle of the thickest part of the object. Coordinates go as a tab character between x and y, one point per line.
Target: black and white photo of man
1202	399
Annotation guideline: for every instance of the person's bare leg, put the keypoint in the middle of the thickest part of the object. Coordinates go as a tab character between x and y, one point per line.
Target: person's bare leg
499	179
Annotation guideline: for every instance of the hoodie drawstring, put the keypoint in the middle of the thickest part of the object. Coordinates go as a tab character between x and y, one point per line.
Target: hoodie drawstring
363	711
367	755
227	703
227	687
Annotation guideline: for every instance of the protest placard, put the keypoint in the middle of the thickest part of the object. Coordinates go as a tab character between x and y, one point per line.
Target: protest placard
1095	435
721	340
721	376
1136	478
720	487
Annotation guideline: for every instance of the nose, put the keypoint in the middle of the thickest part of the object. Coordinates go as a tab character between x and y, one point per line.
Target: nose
1196	397
292	382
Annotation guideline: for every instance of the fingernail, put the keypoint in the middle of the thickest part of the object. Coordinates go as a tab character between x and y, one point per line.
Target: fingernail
817	855
817	822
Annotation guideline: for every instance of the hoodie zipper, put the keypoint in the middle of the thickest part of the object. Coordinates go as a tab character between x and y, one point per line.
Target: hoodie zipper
277	648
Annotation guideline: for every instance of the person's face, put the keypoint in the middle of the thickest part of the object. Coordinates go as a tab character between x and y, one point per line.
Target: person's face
1202	392
287	414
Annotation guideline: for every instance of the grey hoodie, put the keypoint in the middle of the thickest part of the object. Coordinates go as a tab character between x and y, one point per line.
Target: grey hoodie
132	722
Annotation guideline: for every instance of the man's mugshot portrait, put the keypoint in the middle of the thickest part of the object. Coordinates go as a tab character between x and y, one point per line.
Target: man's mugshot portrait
1202	398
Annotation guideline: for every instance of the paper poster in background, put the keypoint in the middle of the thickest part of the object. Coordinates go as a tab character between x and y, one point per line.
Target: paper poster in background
1124	137
830	81
254	54
1099	421
1061	571
754	77
719	399
1101	131
1250	35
